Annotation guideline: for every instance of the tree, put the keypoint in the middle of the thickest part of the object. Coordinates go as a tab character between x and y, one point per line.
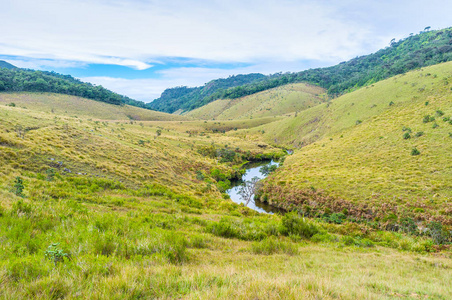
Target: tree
248	189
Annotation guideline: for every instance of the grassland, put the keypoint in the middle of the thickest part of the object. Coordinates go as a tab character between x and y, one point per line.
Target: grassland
360	148
279	101
73	106
136	211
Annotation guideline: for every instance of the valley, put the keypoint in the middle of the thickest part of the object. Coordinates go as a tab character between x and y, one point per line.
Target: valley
104	200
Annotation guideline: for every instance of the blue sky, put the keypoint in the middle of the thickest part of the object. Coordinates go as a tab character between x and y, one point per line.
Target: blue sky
140	47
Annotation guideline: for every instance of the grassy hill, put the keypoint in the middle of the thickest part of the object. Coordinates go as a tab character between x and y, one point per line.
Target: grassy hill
424	49
121	209
185	98
382	153
279	101
73	106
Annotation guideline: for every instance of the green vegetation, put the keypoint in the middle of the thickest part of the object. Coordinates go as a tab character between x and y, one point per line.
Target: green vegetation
19	80
185	98
101	201
416	51
378	175
287	99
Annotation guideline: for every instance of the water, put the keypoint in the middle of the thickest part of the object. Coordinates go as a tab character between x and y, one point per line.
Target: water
253	170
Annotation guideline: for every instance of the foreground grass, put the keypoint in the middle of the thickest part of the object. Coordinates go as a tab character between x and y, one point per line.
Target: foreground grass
140	215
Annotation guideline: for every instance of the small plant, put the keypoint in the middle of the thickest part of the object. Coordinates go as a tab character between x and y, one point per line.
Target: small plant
439	113
407	136
50	174
12	104
420	133
358	122
426	103
391	103
18	187
56	255
435	125
415	151
428	118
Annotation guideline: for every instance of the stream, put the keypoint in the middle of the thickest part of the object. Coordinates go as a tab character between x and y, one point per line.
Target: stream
253	170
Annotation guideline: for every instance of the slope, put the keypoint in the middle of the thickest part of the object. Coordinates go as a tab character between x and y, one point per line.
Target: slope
424	49
120	210
7	65
287	99
66	105
25	80
381	153
185	98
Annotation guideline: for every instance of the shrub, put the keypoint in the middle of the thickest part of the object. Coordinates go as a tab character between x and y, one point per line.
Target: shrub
414	151
435	125
420	133
56	255
296	225
407	136
18	187
428	118
439	113
273	245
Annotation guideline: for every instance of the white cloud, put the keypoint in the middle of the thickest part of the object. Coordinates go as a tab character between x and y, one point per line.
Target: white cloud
131	33
269	35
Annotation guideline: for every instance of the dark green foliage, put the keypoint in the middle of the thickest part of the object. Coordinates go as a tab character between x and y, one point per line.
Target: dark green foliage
420	133
186	98
406	135
358	122
428	118
18	187
414	151
12	104
416	51
335	218
22	80
435	125
439	113
6	65
438	233
391	103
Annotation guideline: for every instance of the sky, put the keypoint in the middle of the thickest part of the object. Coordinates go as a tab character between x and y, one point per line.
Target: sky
139	48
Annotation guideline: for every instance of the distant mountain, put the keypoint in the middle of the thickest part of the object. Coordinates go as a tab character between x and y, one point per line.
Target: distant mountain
185	98
14	79
6	65
416	51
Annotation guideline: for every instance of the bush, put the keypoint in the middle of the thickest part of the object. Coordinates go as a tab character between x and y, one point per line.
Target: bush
406	136
420	133
428	118
273	245
414	151
293	224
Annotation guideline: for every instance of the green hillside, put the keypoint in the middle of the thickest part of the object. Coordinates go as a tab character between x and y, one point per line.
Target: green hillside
185	98
416	51
24	80
275	102
6	65
127	210
382	153
73	106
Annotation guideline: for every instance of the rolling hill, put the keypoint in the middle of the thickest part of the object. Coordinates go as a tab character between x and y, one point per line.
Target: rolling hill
275	102
73	106
382	153
416	51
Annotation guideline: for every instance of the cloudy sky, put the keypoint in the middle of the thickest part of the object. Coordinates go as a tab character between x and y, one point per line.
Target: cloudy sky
140	47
